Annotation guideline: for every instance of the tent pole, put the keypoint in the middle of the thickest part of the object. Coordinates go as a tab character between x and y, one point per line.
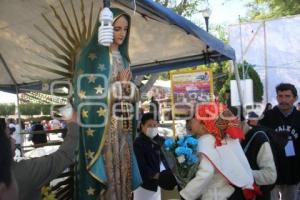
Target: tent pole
238	82
16	86
241	46
266	62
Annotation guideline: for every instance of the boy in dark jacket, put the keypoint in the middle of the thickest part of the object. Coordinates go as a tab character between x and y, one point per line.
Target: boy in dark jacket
151	162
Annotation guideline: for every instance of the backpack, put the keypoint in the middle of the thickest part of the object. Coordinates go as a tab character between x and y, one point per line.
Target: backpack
277	141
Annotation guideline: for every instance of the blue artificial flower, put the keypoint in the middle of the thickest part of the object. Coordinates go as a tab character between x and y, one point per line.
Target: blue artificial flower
192	142
183	151
192	159
181	142
168	143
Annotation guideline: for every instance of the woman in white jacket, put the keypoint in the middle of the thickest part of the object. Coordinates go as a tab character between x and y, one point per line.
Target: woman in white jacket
223	166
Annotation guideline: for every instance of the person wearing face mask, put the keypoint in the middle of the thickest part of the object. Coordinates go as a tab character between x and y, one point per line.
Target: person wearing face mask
151	162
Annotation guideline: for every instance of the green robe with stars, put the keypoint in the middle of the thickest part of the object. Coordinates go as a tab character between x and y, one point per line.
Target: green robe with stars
106	166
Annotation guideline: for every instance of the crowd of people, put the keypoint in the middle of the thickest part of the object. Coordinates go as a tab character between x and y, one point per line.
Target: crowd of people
23	131
235	157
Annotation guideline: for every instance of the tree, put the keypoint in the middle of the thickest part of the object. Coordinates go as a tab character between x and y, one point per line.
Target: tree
251	74
34	109
182	7
265	9
7	109
221	72
220	32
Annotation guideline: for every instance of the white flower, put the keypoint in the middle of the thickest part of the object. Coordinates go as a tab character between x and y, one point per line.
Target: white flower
181	159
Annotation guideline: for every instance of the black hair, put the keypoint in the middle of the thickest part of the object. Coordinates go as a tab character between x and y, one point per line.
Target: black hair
267	108
186	123
146	117
5	155
39	138
2	125
287	86
268	104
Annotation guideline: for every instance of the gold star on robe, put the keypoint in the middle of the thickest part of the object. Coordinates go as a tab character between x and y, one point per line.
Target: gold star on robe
101	67
84	113
101	112
99	89
92	56
89	154
82	94
90	132
92	78
80	72
90	191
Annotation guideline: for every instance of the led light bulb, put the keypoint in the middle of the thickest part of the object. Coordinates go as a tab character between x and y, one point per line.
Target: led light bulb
105	31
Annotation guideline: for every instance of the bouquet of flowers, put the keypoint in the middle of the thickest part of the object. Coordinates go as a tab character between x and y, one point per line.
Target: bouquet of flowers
181	155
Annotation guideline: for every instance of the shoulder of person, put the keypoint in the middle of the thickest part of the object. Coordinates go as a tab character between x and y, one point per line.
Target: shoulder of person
297	112
269	116
159	138
140	140
260	134
273	111
207	139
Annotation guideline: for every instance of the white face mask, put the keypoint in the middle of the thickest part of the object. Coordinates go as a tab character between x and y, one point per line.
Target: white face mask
152	132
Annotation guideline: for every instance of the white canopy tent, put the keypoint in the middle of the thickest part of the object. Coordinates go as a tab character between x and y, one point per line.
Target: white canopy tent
160	40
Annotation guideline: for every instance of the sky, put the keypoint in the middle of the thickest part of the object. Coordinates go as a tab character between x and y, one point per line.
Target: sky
7	97
224	12
227	11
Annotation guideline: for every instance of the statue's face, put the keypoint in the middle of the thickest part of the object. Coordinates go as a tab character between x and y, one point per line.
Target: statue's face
120	30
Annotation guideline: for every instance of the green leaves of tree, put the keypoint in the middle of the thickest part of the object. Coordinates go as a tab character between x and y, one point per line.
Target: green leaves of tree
7	109
266	9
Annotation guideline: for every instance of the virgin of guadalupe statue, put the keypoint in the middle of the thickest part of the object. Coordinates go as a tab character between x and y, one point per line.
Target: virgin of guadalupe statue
106	166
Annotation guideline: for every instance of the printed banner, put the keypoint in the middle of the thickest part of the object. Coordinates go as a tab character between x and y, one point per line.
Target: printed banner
188	89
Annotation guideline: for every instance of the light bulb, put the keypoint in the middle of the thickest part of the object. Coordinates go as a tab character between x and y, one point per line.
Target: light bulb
105	31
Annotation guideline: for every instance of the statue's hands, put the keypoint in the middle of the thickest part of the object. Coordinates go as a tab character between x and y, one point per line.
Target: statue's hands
125	75
72	119
68	113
